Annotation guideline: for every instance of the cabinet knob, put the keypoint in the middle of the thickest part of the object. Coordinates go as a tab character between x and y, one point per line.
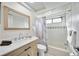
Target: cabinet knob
27	48
28	55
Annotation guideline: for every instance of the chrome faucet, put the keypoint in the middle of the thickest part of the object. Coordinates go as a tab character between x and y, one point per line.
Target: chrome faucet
20	36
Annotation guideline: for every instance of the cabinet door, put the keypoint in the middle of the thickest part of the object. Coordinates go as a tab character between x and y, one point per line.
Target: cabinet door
15	52
26	52
31	50
34	50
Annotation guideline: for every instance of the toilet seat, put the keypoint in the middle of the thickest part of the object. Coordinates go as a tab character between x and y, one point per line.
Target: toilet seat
42	47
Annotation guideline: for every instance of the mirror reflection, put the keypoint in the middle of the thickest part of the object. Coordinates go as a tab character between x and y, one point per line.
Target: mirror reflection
16	20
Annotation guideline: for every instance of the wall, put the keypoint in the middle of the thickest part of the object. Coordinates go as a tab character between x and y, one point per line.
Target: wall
0	13
14	33
0	17
1	27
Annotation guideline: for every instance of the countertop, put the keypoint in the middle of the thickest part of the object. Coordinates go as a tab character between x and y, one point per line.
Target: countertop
15	45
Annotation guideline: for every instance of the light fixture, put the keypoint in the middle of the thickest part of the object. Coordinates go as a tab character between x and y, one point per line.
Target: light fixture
31	2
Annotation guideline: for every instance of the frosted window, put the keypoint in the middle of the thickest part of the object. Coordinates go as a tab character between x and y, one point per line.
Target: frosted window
57	20
48	21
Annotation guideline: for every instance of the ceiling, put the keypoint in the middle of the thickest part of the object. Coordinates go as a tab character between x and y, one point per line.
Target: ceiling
39	6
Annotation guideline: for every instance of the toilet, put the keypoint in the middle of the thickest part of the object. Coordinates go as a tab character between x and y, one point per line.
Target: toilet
41	49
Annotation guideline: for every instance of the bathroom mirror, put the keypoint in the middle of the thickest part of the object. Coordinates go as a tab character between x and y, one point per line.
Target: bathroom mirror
15	20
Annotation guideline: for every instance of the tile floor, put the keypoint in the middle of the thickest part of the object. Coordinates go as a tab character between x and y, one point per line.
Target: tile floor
55	52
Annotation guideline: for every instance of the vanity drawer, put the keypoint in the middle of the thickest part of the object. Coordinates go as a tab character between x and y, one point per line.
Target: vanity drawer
17	51
26	50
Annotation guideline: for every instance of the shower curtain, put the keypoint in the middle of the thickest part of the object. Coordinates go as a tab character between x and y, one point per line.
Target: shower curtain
40	30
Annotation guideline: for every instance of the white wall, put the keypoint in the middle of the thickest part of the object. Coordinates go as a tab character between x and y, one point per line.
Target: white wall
0	14
0	17
1	27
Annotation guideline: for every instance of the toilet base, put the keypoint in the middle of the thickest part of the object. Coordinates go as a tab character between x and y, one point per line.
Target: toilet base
41	49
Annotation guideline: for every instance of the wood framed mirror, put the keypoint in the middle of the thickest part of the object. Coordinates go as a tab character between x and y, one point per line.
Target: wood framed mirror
14	20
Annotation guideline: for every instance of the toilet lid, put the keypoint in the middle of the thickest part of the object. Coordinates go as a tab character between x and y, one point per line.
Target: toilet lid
40	46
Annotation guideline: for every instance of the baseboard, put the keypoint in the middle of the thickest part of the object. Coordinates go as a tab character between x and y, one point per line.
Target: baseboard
57	48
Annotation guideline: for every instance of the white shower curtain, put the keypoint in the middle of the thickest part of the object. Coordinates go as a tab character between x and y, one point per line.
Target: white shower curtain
39	30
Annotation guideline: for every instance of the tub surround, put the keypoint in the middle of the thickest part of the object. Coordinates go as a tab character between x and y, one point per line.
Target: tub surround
15	45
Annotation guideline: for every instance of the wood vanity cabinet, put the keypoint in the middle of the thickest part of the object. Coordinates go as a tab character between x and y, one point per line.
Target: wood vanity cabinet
26	50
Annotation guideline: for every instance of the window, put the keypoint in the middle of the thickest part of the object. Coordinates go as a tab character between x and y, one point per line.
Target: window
54	20
49	21
57	20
